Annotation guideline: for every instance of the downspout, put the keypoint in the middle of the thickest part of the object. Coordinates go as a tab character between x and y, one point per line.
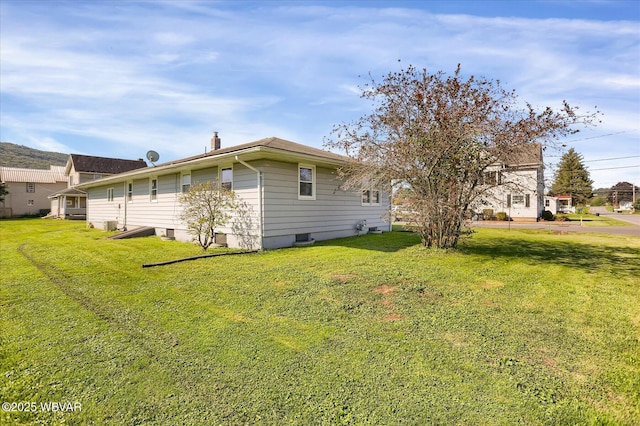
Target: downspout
124	222
260	198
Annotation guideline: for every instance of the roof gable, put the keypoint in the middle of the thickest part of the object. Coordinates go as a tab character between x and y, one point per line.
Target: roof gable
103	165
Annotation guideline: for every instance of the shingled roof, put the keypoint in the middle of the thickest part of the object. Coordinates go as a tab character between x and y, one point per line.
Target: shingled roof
272	142
91	164
524	155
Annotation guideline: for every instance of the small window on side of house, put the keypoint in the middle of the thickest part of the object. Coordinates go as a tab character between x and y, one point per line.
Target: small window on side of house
153	189
129	192
226	178
306	182
375	197
366	197
370	197
31	187
30	202
109	194
186	182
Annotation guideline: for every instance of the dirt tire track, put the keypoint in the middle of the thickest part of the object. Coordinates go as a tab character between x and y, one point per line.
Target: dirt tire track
124	322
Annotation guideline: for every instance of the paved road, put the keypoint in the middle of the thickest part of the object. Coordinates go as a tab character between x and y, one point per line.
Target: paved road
631	218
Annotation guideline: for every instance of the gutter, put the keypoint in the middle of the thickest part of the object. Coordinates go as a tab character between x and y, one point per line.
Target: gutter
260	198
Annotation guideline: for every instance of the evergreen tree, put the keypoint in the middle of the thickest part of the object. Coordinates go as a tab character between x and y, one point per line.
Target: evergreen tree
572	178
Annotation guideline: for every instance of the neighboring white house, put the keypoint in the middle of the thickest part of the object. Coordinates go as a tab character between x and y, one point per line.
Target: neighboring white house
29	189
519	190
71	202
291	193
559	204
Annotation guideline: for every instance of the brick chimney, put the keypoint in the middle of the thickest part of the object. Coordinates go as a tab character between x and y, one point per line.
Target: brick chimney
215	142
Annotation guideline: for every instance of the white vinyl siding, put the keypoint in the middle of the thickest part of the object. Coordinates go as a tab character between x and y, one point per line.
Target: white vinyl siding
335	214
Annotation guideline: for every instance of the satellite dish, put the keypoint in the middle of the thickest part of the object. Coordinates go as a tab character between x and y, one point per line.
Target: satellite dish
152	156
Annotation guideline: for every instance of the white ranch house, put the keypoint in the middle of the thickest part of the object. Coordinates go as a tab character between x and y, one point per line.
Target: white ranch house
291	194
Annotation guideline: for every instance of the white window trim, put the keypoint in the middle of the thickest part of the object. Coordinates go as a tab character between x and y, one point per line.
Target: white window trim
371	197
151	199
220	168
109	194
313	182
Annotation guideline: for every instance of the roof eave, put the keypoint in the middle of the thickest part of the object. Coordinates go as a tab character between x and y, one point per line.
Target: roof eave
180	165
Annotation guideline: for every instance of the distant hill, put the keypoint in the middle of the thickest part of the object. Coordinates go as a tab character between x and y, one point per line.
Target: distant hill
12	155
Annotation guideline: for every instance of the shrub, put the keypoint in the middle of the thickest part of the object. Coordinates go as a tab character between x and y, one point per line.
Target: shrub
547	215
501	216
487	213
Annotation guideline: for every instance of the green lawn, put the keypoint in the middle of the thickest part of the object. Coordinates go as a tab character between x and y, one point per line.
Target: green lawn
593	220
514	327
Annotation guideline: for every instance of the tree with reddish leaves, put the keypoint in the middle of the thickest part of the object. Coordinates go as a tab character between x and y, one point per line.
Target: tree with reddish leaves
436	135
621	192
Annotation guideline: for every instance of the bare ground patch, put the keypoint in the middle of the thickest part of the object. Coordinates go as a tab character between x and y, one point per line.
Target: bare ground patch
386	291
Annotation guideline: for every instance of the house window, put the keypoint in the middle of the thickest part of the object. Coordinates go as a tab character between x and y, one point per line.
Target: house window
30	202
306	182
519	200
186	182
97	176
31	187
547	203
129	192
366	196
153	189
226	178
109	194
370	197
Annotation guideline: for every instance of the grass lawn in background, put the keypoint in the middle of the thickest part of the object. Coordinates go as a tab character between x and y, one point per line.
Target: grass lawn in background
593	220
513	327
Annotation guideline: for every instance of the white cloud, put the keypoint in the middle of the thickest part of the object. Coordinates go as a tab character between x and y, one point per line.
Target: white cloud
169	73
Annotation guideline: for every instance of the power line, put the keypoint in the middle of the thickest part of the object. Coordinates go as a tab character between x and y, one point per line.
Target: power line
610	159
613	168
596	137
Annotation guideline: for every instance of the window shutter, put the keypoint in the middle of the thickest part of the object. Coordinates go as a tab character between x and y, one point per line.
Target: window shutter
508	200
527	200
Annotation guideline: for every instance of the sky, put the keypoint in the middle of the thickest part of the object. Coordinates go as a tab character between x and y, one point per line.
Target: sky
119	78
